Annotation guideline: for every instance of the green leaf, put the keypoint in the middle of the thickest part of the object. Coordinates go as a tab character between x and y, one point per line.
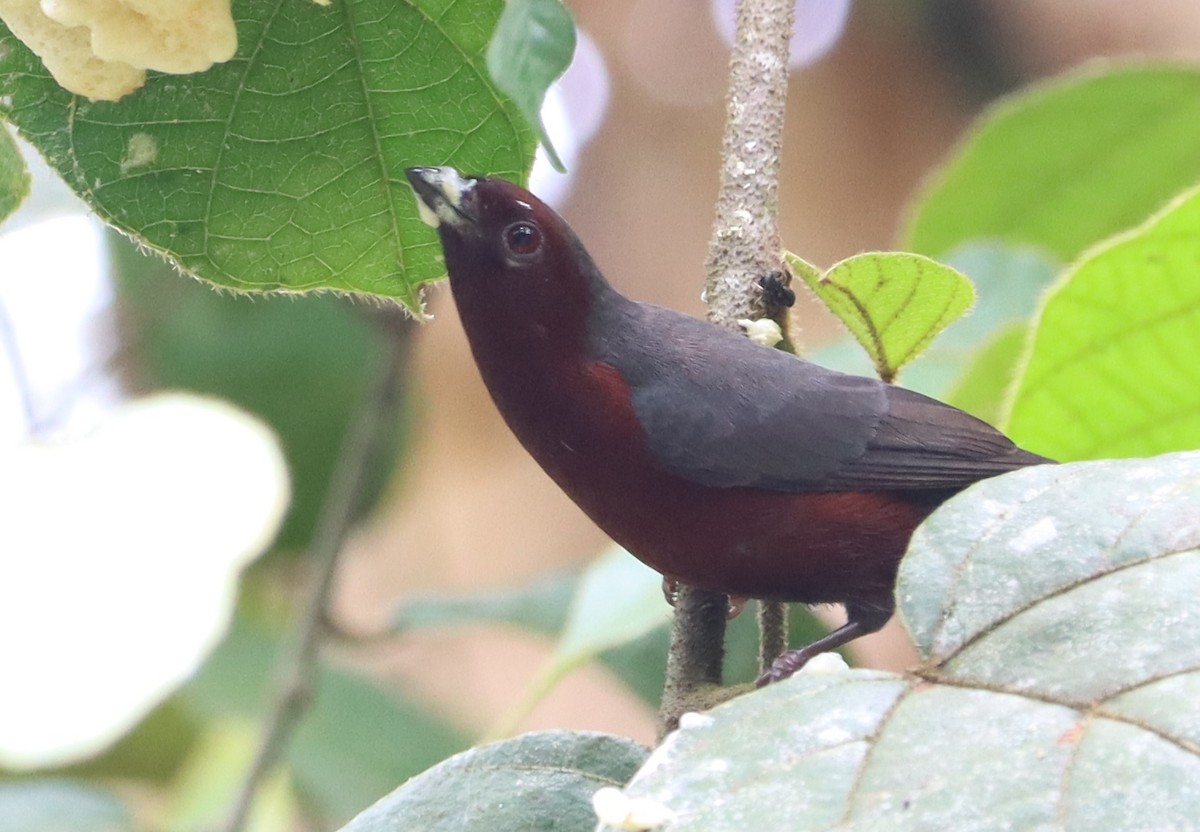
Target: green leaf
302	363
210	782
530	49
1112	369
152	752
1052	694
1075	559
1008	284
540	606
642	664
989	373
618	600
58	806
14	176
892	303
356	741
283	168
542	781
1067	164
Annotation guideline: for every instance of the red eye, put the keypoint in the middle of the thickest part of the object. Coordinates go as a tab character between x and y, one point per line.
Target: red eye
523	238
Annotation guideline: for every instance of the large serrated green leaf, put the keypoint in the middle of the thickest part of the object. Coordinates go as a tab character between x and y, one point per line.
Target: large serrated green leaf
542	781
1060	684
893	303
283	168
1067	164
1112	369
14	176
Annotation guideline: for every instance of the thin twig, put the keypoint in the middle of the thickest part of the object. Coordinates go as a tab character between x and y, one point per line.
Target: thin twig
298	667
744	248
772	633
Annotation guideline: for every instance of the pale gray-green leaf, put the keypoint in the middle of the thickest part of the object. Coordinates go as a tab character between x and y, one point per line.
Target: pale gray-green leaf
618	599
60	806
1017	545
540	782
540	605
1060	688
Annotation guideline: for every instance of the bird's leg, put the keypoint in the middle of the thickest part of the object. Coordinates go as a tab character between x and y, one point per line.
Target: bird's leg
862	619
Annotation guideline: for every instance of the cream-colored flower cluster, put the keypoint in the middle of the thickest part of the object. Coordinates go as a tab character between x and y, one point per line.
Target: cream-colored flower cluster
102	48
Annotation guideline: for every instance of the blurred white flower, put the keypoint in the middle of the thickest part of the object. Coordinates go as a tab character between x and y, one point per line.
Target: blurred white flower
101	48
58	335
119	559
637	814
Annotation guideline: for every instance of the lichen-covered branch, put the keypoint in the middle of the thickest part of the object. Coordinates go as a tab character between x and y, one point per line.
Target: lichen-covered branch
745	241
744	248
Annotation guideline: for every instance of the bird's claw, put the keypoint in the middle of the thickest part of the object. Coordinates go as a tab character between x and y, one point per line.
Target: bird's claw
783	667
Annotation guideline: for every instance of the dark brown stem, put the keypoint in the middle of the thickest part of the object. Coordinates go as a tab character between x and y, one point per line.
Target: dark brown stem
696	654
773	633
744	248
298	667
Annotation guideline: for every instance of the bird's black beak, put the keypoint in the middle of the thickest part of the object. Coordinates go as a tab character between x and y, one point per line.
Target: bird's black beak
440	193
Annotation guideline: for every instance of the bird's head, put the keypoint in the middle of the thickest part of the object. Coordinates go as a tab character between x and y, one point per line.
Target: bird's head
508	254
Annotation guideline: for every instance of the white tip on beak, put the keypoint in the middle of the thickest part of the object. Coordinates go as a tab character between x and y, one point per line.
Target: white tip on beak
439	194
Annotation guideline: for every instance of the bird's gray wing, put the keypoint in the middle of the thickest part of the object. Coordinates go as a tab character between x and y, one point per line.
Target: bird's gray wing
921	443
722	411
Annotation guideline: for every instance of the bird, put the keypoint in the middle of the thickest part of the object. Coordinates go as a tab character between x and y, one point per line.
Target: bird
721	463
